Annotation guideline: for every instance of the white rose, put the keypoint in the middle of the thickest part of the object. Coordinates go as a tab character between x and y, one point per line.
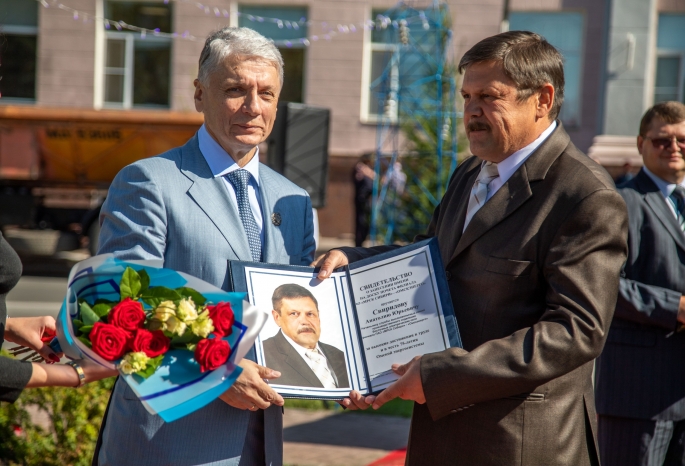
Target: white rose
202	327
186	310
174	325
133	362
165	310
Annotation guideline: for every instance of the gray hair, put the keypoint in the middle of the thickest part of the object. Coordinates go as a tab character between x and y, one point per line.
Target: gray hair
237	41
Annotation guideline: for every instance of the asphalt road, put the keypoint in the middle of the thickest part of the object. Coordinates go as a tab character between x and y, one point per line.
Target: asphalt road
36	296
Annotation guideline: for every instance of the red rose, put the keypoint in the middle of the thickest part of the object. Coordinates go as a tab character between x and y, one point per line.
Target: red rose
223	318
211	353
153	343
128	315
109	341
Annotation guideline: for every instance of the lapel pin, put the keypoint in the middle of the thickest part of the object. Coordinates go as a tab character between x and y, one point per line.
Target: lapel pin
276	219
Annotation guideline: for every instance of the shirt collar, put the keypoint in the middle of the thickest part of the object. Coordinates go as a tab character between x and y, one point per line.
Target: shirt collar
301	350
508	166
664	186
219	161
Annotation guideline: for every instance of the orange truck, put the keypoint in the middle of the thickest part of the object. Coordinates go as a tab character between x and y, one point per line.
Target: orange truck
56	164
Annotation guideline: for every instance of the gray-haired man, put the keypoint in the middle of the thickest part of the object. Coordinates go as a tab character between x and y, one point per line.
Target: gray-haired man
197	207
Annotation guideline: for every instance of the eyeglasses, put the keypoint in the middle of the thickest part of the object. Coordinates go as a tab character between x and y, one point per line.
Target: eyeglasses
665	143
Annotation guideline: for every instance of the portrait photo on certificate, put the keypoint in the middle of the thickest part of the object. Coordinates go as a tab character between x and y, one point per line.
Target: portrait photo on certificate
344	333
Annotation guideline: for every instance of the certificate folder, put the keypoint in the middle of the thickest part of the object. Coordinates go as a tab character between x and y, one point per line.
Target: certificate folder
344	333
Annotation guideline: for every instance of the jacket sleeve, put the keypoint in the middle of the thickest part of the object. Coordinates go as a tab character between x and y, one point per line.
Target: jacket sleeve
581	273
640	302
14	375
308	242
648	304
133	217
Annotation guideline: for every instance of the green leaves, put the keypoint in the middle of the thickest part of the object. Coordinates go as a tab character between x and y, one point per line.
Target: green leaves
130	284
102	309
144	281
88	316
197	297
155	295
180	342
85	341
151	367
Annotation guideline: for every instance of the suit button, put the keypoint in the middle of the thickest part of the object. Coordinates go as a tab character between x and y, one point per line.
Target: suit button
453	411
448	275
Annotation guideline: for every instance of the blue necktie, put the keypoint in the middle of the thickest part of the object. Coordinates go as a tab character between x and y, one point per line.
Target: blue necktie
678	196
239	179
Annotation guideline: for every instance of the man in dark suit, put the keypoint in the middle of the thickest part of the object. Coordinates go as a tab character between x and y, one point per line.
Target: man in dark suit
533	236
640	377
296	351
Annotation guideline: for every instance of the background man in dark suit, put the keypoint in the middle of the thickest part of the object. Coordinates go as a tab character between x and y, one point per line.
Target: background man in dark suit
640	376
296	351
533	236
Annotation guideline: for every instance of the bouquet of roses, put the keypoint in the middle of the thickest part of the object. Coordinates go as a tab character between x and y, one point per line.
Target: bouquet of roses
174	338
146	322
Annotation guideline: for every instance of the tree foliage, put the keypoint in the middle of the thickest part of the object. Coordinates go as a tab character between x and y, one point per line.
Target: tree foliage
70	433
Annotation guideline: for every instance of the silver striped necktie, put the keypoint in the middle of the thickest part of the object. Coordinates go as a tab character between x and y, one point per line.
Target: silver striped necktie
239	179
480	190
320	368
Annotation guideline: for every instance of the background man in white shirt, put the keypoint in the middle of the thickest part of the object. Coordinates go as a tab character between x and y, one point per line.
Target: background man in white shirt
295	351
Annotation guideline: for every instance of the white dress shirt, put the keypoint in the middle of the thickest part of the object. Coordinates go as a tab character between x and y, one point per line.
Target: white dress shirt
302	351
666	189
221	163
508	166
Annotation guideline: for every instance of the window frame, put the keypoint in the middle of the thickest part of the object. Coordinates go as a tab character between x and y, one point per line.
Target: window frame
369	47
294	44
15	30
581	54
130	39
672	53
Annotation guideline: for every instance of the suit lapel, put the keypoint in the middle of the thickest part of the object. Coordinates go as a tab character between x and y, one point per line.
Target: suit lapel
515	192
655	200
269	196
506	200
294	360
211	196
453	234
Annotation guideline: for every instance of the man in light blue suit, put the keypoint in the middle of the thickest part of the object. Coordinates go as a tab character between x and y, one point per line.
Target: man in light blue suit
197	207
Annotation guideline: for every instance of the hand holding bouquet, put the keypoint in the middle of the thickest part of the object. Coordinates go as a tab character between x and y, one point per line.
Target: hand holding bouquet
174	338
147	322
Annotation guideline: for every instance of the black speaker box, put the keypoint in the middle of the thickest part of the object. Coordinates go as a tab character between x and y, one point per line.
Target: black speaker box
298	147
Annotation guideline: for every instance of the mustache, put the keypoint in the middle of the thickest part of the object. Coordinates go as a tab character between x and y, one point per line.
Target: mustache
305	330
477	126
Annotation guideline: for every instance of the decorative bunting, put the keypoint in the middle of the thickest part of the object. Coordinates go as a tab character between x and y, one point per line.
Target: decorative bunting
327	31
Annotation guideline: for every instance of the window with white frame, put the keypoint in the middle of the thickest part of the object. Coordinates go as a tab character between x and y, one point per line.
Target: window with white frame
564	30
137	68
18	50
381	74
669	83
286	26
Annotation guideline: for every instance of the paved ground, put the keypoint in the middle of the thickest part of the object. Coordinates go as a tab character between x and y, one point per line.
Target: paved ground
329	438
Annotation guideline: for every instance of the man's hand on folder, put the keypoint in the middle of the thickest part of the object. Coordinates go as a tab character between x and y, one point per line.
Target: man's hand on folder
250	391
407	387
329	262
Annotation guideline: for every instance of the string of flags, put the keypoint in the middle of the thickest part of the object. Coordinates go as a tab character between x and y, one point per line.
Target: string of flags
328	31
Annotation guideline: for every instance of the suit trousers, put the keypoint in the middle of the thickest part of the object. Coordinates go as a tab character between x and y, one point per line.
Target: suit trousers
641	442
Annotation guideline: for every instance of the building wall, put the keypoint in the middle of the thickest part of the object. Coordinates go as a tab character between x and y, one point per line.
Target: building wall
629	89
66	51
334	69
